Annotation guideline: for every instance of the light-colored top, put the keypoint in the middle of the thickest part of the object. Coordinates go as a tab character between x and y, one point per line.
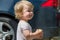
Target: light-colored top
22	25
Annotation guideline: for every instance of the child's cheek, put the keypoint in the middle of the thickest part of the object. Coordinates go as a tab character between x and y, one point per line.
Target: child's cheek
26	14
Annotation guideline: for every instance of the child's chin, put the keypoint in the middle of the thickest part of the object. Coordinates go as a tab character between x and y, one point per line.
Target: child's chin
30	18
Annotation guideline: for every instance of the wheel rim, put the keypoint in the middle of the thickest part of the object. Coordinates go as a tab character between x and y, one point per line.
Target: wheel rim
6	31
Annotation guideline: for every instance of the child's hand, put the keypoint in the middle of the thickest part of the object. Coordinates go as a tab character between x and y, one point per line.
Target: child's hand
39	33
38	30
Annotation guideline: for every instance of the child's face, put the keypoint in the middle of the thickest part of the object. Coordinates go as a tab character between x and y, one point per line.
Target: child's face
27	13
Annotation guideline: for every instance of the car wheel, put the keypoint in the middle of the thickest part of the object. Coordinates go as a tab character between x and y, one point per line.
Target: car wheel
7	28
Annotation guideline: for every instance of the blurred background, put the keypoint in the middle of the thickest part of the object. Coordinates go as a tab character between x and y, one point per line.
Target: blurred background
46	17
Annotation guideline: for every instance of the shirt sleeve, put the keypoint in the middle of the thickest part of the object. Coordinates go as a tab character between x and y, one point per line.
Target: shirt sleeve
24	26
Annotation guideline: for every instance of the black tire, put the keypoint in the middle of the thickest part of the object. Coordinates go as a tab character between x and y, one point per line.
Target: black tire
8	27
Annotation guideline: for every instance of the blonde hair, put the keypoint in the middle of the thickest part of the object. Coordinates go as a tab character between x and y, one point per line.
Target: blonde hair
19	7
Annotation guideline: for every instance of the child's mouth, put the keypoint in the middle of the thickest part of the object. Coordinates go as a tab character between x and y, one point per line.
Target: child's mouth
29	16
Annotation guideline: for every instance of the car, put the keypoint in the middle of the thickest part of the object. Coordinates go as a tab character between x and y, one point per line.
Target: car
8	23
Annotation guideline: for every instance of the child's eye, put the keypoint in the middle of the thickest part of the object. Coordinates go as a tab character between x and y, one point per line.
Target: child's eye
29	11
